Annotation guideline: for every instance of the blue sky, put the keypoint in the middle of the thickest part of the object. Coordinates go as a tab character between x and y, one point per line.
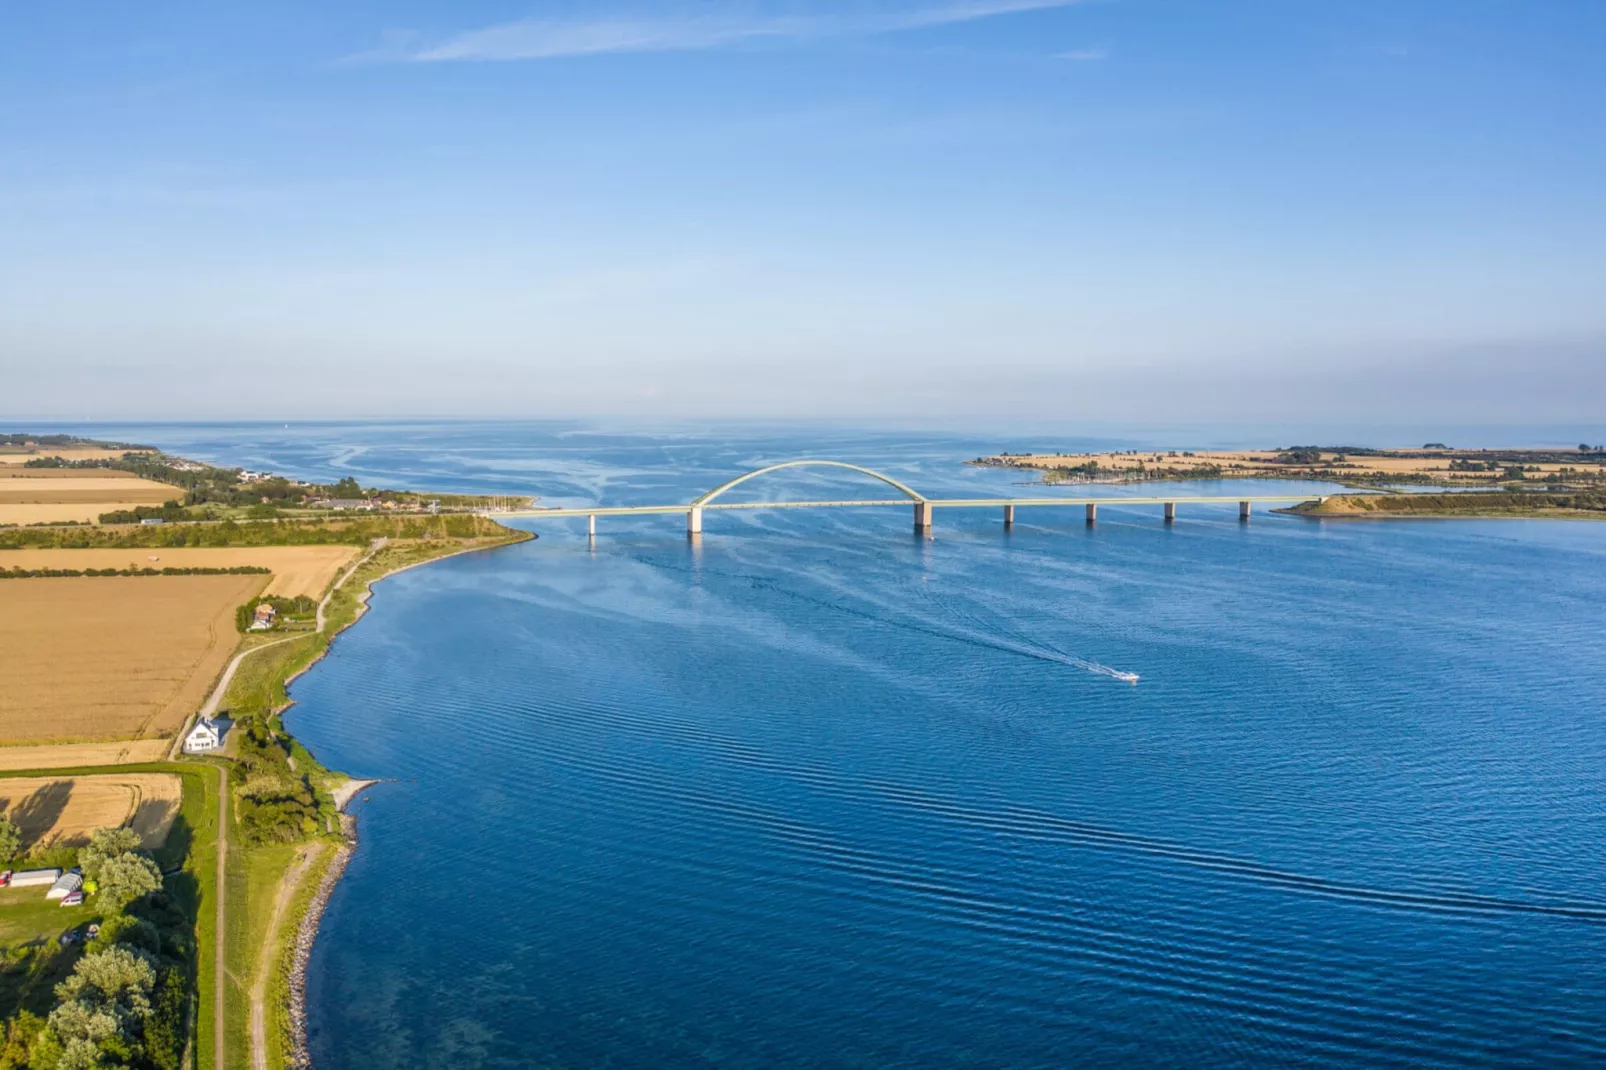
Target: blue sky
936	208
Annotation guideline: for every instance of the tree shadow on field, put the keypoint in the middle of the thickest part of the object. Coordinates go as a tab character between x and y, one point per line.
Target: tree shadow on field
172	852
36	815
150	818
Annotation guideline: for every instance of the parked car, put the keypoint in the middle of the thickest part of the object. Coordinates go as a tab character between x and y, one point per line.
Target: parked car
5	878
72	899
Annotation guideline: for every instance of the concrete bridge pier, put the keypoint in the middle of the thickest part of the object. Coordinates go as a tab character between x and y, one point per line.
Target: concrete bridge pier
1009	516
922	518
1243	510
1170	512
694	521
591	526
1092	513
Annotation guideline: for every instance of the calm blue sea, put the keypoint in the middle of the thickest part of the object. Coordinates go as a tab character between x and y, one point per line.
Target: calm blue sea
818	793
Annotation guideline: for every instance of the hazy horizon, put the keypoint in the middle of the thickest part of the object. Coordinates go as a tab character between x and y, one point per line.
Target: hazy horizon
1387	213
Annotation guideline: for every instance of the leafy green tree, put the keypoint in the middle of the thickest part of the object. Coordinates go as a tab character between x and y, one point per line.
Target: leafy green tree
79	1054
347	488
164	1032
125	877
104	1006
137	933
22	1032
10	839
104	844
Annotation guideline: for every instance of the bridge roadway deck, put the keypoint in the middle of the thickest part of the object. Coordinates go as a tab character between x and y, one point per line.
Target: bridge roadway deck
1112	501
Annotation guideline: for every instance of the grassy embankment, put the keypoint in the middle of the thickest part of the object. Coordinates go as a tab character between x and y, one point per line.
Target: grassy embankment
1590	506
267	841
1584	505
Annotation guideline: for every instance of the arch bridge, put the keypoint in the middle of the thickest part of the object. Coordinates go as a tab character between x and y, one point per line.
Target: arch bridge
923	506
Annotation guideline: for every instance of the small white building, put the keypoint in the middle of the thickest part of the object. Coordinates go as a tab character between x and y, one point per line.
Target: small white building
23	878
69	881
205	736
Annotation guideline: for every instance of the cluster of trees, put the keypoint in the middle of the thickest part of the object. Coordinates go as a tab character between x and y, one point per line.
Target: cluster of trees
20	573
126	1002
169	512
1300	455
1091	470
298	608
277	803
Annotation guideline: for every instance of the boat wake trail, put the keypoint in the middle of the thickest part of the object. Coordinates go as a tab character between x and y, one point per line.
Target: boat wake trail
959	629
1000	636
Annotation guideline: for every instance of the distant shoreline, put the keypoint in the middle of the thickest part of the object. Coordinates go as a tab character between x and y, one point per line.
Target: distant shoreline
1359	467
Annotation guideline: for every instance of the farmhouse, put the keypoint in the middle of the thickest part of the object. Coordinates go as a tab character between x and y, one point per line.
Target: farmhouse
262	618
205	736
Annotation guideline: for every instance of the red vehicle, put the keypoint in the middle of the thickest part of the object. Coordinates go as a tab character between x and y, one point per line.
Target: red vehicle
5	879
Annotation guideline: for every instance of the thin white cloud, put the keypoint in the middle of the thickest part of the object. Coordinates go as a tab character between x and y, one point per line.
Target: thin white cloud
1084	55
553	38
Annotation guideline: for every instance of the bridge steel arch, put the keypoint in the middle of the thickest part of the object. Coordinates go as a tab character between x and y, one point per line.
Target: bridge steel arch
911	494
694	513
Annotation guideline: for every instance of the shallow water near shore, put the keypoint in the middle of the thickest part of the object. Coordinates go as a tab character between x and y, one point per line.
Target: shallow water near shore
816	792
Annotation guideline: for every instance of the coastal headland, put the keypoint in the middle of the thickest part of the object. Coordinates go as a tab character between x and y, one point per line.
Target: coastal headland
1434	464
1508	482
132	630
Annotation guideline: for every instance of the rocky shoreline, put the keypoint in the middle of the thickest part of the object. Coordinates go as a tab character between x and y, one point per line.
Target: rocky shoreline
306	934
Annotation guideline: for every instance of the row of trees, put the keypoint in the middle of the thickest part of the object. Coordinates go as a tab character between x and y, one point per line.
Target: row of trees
20	573
307	531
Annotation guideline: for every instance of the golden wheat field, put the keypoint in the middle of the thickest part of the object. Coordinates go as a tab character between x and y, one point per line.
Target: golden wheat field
79	755
297	570
18	455
60	495
87	659
52	810
74	489
82	513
